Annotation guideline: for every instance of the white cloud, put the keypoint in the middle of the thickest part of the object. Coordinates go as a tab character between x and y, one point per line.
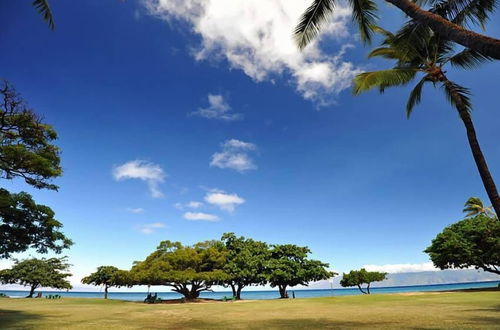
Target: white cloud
234	155
402	268
139	169
135	210
194	204
200	216
226	202
151	227
218	108
256	37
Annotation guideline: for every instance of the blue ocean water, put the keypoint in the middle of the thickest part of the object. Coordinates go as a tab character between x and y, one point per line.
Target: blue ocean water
268	294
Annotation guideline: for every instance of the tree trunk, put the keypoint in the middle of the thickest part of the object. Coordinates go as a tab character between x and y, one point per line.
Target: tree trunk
368	288
482	166
233	287
361	289
105	291
32	291
282	289
238	291
451	31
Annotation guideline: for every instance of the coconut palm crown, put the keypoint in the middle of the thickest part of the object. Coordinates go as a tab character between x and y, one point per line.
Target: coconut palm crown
418	52
474	206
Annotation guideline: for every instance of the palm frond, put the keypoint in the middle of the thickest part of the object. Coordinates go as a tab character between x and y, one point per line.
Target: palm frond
385	52
382	79
458	96
465	12
311	21
415	96
43	8
379	30
468	59
363	13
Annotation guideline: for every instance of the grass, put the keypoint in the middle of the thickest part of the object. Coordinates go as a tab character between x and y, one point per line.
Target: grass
431	311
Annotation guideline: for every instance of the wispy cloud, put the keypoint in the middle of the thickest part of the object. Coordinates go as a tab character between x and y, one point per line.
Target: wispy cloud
151	173
191	205
151	227
234	155
200	216
224	201
402	268
135	210
256	37
218	108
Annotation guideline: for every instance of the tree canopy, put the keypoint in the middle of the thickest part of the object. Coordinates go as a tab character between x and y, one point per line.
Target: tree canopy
360	277
25	224
475	206
446	18
472	242
289	266
26	148
35	273
246	262
106	276
189	270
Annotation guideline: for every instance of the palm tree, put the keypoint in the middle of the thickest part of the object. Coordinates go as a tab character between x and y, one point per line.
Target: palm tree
44	9
447	26
474	206
417	50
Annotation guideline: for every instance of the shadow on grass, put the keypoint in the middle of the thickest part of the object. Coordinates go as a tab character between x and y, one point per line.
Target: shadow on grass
282	324
10	319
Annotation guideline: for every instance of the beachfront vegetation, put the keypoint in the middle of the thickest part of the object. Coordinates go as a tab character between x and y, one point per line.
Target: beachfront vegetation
105	276
233	261
472	242
246	262
446	18
35	273
360	277
189	270
27	152
458	310
289	266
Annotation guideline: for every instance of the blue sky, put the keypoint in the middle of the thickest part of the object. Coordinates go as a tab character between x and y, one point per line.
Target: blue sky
272	142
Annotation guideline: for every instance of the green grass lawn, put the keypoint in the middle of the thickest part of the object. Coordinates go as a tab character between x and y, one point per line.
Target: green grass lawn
445	310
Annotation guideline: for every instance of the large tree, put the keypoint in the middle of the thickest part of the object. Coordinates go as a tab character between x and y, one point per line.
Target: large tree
26	143
35	273
27	151
246	262
290	266
472	242
445	18
418	51
360	277
108	276
25	224
189	270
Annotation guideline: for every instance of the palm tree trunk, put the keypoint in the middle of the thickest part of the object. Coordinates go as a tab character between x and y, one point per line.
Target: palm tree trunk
482	166
448	30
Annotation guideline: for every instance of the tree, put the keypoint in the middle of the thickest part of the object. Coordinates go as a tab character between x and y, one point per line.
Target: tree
105	275
360	277
27	152
472	242
26	148
417	50
43	7
189	270
289	266
37	273
474	206
246	261
446	18
25	224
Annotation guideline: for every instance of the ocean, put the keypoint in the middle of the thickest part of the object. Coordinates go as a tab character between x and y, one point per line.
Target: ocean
267	294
